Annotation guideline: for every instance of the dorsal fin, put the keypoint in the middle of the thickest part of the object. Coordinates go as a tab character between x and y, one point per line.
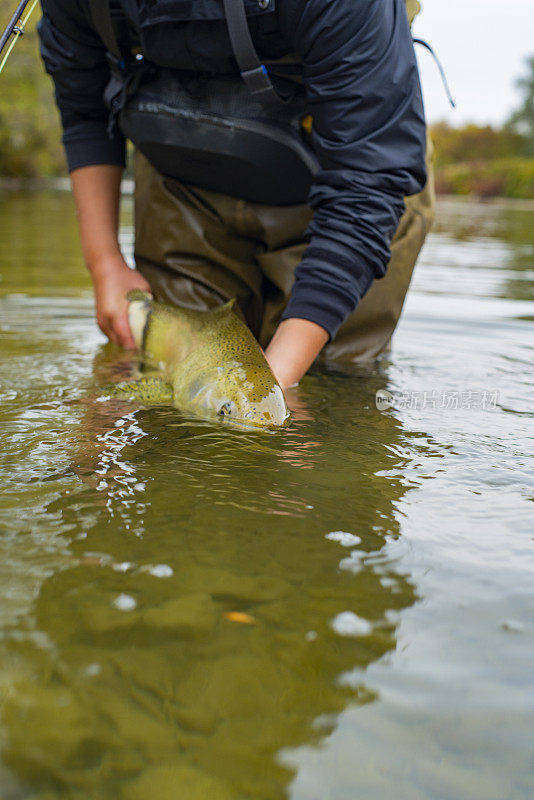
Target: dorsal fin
221	310
224	309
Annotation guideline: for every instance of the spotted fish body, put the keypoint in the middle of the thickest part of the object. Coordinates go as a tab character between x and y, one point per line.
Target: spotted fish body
210	360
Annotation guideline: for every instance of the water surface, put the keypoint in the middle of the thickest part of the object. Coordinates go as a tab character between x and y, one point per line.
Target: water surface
340	610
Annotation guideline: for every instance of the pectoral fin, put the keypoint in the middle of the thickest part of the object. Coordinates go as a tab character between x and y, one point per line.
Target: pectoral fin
148	389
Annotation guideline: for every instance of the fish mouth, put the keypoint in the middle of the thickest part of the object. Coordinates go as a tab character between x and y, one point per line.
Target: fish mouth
265	420
267	425
244	424
229	412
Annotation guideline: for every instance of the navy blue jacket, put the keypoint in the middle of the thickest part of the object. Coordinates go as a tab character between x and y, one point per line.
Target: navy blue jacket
363	92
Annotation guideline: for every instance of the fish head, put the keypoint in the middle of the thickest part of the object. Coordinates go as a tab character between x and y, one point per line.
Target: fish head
247	395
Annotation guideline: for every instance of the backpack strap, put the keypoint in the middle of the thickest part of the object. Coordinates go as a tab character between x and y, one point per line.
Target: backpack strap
253	72
124	76
103	22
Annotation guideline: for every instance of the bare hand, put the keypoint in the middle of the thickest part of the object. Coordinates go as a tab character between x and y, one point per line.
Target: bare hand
112	280
293	349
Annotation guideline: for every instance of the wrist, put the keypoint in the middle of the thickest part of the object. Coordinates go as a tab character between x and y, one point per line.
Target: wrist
104	264
294	348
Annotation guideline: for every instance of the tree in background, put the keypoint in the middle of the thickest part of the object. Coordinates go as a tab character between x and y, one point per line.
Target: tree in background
30	143
523	119
486	161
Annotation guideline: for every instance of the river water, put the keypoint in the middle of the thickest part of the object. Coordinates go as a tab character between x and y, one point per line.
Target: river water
343	610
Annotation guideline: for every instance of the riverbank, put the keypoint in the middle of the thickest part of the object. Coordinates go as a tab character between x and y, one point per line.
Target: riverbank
10	185
507	177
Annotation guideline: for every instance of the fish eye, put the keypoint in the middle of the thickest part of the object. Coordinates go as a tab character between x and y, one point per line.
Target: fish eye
226	409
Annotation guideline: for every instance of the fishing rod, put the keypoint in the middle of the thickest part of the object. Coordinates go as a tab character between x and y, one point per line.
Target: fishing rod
15	28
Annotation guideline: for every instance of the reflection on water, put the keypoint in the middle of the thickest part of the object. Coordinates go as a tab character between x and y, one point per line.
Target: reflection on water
337	610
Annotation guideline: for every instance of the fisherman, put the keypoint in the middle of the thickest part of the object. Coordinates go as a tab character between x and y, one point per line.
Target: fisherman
302	238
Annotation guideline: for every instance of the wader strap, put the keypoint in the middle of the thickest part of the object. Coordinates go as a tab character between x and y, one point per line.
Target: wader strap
102	20
253	72
124	77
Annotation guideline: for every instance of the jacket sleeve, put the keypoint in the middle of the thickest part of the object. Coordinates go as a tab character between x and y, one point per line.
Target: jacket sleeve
364	95
76	59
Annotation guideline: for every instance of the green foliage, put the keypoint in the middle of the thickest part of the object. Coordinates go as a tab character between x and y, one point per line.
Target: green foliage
487	161
475	143
29	129
506	177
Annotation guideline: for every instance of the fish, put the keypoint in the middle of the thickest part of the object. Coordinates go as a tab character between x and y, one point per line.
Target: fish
206	363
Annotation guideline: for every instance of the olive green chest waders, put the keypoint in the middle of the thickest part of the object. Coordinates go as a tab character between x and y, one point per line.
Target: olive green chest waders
198	248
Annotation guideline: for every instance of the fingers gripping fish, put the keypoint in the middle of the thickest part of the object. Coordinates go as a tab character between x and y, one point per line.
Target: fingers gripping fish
208	363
